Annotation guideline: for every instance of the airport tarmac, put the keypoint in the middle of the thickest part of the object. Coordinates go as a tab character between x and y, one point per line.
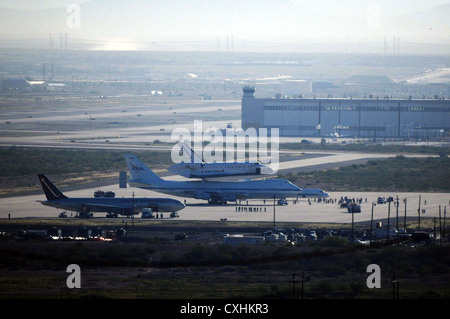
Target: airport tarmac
303	211
300	212
130	126
105	126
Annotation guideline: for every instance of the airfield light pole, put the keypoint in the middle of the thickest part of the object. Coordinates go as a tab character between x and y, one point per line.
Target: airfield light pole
397	212
434	230
418	214
398	239
445	216
273	210
371	223
388	221
132	211
405	200
126	231
353	225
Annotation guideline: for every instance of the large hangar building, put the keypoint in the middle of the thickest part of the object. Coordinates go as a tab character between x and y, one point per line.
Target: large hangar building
347	117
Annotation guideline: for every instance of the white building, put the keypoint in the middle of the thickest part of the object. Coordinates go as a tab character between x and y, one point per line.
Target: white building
377	118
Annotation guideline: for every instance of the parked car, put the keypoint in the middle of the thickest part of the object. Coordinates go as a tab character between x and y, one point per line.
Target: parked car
147	213
354	208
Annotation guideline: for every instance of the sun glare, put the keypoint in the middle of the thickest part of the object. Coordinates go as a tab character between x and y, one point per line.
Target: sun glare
117	45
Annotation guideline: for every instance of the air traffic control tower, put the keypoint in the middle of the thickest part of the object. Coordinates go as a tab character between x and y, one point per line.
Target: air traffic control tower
249	92
347	117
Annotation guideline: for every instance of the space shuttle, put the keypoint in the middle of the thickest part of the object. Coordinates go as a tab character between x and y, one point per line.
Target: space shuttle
193	166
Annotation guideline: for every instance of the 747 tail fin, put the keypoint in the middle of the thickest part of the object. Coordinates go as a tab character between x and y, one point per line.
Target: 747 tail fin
50	190
139	171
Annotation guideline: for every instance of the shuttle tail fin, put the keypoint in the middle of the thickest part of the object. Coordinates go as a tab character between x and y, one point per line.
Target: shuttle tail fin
189	153
50	190
139	171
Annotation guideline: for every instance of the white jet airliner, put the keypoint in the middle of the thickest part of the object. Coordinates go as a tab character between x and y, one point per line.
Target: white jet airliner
313	192
212	191
85	206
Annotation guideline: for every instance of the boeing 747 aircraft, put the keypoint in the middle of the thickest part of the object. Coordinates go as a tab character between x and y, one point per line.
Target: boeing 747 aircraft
212	191
314	193
193	166
113	206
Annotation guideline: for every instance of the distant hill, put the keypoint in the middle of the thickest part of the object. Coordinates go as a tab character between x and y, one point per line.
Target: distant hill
369	79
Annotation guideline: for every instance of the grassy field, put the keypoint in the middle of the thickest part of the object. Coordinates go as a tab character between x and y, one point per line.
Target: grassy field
19	167
400	174
28	161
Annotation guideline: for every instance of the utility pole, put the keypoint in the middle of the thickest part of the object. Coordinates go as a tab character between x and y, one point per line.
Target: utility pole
294	281
293	285
395	287
440	226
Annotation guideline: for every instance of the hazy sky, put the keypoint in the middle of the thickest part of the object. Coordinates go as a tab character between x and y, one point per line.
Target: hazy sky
258	20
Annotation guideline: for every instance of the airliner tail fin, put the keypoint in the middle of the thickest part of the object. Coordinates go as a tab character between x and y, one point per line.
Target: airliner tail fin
50	190
139	171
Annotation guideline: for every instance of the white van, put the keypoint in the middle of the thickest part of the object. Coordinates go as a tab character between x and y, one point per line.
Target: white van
147	213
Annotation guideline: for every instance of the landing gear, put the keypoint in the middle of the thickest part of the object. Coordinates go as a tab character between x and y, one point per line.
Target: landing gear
84	215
